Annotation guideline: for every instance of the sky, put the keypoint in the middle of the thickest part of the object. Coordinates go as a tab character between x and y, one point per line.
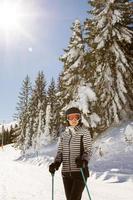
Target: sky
35	45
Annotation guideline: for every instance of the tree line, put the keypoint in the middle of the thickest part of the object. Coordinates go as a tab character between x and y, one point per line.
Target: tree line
8	135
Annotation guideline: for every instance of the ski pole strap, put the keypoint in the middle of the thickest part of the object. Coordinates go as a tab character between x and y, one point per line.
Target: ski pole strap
85	183
52	186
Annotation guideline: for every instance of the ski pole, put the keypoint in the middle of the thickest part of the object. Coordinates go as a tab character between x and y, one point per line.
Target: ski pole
85	183
52	186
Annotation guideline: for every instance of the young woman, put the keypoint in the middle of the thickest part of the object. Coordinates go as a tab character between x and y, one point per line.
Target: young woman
74	152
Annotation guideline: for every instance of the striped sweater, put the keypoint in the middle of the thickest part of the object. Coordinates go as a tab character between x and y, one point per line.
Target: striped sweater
69	148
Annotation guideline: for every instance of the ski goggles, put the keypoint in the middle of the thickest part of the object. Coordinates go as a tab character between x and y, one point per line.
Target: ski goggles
74	116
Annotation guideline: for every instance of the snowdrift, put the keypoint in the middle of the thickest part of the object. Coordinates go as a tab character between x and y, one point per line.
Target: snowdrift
113	154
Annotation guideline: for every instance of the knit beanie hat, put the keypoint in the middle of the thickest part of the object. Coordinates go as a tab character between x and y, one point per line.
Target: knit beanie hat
73	110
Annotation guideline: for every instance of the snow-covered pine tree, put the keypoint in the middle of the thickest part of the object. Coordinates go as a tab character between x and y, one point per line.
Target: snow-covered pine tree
73	60
22	113
38	110
50	130
46	136
75	90
54	114
61	122
110	39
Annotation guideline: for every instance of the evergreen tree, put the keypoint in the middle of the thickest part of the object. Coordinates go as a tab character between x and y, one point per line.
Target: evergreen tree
75	89
73	64
54	110
59	96
7	137
4	132
13	133
47	135
23	111
109	36
38	110
10	134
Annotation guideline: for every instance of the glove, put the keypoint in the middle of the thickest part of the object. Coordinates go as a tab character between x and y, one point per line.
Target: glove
80	162
53	167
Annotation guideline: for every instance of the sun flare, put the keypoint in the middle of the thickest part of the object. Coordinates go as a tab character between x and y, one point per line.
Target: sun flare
17	21
9	16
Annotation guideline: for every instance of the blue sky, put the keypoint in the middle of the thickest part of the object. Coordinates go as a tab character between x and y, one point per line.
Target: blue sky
47	31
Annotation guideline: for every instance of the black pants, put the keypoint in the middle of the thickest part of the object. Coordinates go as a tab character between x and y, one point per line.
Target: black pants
74	187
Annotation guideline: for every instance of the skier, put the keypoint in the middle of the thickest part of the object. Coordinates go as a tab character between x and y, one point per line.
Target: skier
74	152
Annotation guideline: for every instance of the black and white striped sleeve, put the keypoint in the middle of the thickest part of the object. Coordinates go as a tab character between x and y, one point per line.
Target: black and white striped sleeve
59	154
87	142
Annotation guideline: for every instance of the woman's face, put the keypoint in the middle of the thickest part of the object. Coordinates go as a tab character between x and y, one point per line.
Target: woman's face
73	119
73	122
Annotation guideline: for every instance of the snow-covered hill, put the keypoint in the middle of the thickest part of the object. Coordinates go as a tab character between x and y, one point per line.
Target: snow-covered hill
111	170
113	154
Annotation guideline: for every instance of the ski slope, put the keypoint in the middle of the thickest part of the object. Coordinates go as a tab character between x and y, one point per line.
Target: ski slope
111	170
25	181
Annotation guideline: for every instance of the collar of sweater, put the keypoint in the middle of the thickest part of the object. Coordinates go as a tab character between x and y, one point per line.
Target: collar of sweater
73	130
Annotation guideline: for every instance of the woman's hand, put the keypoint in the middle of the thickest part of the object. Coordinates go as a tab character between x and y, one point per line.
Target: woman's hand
80	162
53	167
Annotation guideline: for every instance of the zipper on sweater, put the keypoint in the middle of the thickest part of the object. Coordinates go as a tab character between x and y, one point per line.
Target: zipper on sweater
69	156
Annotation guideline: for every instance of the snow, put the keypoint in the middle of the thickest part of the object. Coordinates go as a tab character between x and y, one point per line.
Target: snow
120	57
101	44
72	54
120	85
85	95
45	137
128	135
112	1
101	22
116	17
94	118
78	62
111	174
113	150
100	39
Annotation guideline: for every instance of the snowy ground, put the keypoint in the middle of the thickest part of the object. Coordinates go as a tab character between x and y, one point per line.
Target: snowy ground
113	154
24	181
29	179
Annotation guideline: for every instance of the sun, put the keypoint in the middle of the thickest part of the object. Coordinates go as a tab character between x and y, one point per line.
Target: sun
16	18
10	16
